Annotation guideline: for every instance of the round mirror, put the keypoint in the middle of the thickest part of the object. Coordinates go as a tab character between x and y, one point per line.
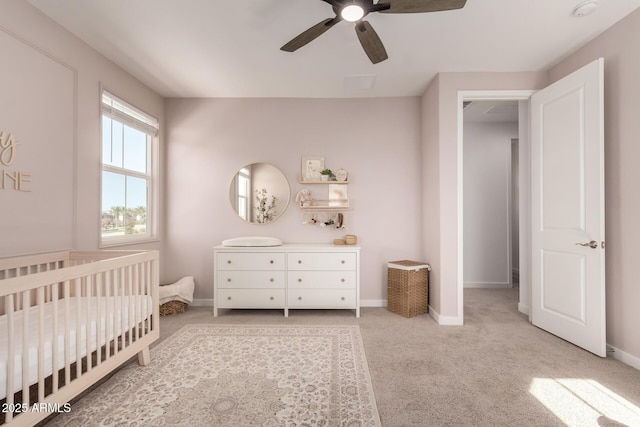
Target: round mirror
259	193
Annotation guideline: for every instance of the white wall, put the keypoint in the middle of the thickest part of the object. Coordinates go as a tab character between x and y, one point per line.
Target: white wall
487	204
376	140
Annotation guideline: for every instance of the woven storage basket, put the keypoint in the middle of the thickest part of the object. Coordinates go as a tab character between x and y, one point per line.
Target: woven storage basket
172	307
408	288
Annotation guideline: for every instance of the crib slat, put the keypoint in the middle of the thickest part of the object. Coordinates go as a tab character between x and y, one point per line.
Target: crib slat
67	334
11	354
41	369
121	307
143	293
136	284
26	304
99	328
87	322
130	317
117	312
108	314
78	358
54	341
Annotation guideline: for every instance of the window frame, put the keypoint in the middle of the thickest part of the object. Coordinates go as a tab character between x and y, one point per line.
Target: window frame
150	127
244	175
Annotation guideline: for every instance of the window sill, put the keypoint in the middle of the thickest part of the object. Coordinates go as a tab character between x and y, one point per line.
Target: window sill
111	243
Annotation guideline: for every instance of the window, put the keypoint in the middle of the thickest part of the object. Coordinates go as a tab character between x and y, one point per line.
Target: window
242	201
129	157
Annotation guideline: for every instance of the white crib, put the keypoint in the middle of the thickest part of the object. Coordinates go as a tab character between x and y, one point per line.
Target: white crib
66	320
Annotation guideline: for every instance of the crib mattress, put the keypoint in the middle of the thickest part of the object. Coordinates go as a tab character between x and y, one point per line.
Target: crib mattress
114	317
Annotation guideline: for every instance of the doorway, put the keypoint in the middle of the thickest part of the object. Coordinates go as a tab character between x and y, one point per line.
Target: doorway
490	164
523	196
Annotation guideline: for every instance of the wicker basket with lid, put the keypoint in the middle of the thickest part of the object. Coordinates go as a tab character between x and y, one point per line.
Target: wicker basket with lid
408	288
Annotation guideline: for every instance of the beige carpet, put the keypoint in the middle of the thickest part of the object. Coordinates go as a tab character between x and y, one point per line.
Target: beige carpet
239	375
496	370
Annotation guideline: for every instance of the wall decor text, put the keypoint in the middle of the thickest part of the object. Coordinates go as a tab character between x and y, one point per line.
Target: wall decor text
11	180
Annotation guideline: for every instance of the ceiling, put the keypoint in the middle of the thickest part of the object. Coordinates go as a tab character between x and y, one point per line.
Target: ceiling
491	112
231	48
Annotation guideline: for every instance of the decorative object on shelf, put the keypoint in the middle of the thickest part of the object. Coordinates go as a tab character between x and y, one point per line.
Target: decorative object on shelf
350	239
311	167
304	198
341	175
338	242
324	218
327	175
338	195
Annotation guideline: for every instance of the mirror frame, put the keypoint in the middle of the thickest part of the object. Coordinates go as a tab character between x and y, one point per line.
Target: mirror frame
284	188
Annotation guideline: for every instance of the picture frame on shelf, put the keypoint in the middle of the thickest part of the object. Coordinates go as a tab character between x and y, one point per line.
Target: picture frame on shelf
338	195
311	167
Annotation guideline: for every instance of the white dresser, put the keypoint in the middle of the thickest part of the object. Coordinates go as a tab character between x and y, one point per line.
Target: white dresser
290	276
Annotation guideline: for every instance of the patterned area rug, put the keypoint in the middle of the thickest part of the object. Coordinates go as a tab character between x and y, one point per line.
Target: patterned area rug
230	375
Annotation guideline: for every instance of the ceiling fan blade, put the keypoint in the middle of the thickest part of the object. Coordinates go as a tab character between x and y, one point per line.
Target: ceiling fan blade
377	7
418	6
370	42
310	35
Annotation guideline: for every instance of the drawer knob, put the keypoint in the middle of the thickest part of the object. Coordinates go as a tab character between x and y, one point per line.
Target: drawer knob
271	262
342	298
229	261
342	280
229	298
228	280
271	298
299	298
299	280
271	280
342	262
299	261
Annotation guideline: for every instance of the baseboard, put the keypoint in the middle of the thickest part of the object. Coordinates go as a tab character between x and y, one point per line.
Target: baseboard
626	358
373	303
445	320
487	285
202	302
524	309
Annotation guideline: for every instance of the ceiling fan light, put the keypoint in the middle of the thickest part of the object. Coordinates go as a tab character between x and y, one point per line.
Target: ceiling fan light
352	13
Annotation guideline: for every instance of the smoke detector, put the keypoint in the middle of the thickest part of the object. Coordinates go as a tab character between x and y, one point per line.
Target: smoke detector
585	8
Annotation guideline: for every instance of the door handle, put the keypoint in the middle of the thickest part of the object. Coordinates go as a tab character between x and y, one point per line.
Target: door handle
592	244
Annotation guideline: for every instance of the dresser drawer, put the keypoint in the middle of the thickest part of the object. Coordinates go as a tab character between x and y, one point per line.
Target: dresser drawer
250	261
322	298
251	298
251	279
321	261
322	279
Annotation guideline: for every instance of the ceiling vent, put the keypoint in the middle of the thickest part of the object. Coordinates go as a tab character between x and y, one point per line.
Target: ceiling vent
363	82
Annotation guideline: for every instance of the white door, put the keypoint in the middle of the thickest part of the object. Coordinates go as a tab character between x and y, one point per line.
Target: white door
567	219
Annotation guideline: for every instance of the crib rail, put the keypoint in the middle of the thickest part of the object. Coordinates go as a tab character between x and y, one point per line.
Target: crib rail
68	319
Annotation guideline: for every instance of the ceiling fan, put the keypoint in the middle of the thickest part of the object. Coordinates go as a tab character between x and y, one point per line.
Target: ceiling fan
356	10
